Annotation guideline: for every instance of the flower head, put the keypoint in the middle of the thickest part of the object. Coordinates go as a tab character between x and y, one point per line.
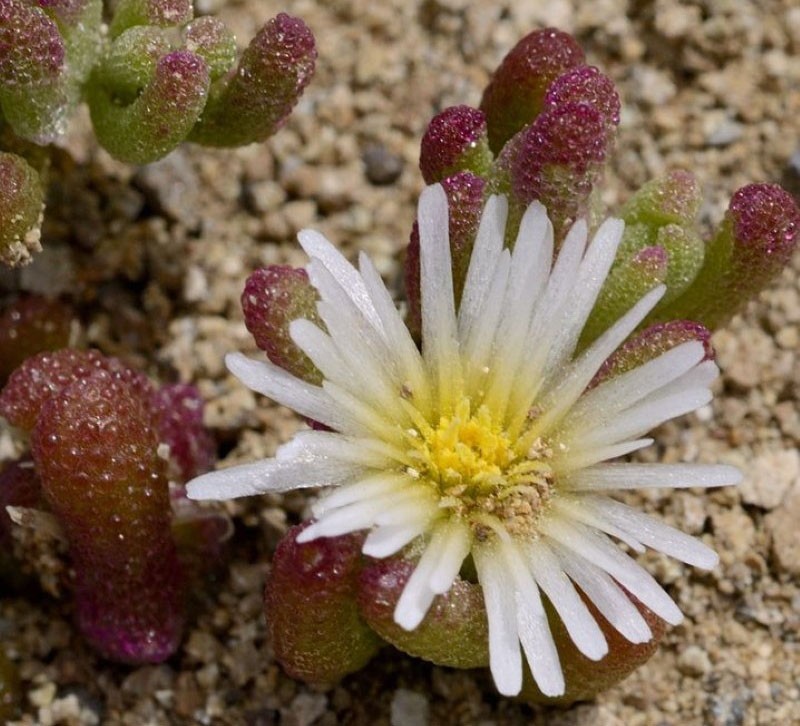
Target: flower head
490	444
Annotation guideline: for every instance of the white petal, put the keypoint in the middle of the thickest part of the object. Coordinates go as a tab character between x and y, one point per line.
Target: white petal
269	475
360	418
361	348
532	625
505	659
653	533
403	345
479	344
581	626
422	509
701	376
346	323
647	476
577	376
312	445
530	266
572	458
579	510
417	595
439	334
455	546
319	347
532	255
275	383
644	417
546	320
485	253
318	247
597	549
354	517
343	520
586	287
388	540
606	400
605	594
366	488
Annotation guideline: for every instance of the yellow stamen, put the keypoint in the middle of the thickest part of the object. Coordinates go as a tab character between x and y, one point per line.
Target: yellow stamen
477	470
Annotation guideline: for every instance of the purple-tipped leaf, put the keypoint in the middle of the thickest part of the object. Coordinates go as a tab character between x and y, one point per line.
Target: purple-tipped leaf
213	42
651	343
455	140
161	116
160	13
67	12
586	84
178	410
96	452
313	620
252	102
32	50
515	95
34	98
273	297
750	248
47	374
557	161
628	283
671	199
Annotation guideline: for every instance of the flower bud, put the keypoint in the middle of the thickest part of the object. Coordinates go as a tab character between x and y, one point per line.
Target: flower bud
651	343
557	161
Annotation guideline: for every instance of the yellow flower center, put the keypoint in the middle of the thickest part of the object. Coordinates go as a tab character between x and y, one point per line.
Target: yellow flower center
478	472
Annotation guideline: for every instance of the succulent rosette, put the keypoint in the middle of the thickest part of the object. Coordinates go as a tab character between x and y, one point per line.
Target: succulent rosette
488	453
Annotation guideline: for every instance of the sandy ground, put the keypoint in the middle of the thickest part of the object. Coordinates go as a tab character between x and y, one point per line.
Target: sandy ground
155	260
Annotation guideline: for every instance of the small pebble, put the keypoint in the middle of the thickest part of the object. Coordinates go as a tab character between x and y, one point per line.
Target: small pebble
382	167
694	661
409	708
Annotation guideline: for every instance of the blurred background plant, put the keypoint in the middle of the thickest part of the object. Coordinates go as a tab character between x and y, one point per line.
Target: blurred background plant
95	504
153	77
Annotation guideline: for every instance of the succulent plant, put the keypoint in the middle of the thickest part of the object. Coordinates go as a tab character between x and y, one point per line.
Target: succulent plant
555	348
155	78
478	466
105	444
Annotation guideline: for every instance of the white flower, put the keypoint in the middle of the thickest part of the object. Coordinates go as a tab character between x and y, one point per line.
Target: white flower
487	443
